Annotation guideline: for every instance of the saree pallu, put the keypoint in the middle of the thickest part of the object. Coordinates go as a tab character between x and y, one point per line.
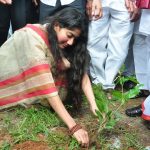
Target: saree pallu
27	68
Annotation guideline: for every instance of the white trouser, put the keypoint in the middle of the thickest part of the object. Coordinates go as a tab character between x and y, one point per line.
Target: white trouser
140	51
129	61
146	109
146	103
108	42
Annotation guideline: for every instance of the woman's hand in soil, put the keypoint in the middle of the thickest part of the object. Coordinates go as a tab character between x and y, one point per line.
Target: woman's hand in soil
87	89
93	108
82	137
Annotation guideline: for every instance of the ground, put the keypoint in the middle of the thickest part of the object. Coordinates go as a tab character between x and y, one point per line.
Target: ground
128	133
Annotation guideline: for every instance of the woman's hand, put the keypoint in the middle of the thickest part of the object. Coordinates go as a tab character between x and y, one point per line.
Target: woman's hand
6	1
93	108
82	137
80	134
87	89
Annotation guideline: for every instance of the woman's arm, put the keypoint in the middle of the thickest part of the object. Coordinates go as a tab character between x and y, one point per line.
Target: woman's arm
87	89
81	135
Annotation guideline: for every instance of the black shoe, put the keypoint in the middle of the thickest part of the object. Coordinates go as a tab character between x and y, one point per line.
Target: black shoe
129	85
134	112
143	93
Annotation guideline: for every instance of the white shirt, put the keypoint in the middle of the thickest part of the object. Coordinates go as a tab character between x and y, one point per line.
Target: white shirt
53	2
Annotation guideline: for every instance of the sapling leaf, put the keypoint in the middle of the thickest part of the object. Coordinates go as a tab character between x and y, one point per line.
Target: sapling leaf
133	92
99	114
109	115
102	105
123	79
117	94
133	79
110	124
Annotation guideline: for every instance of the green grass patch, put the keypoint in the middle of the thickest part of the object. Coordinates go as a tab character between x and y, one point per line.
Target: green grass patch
30	122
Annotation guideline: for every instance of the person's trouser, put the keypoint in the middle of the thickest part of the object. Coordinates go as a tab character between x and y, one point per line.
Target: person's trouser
17	14
46	10
140	52
146	103
146	109
108	43
129	69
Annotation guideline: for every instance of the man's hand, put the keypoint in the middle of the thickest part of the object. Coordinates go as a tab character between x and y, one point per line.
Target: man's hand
94	9
132	9
36	2
6	1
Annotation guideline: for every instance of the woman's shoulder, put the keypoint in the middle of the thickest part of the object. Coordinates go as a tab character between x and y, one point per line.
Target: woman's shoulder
40	31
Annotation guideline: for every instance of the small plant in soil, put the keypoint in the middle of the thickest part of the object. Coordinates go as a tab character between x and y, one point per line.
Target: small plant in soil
108	118
122	95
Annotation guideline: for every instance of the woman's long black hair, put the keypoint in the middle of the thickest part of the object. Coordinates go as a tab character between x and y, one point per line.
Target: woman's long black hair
77	54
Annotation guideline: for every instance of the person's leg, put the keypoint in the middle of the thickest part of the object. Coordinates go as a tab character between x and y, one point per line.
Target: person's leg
18	14
148	60
4	22
79	4
32	12
120	33
97	41
47	10
141	44
129	68
129	61
146	103
146	109
140	59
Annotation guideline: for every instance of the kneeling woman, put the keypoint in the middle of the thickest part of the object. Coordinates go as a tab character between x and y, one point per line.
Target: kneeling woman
47	63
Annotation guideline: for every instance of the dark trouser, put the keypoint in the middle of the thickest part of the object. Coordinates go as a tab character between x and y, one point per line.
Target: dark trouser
46	10
18	14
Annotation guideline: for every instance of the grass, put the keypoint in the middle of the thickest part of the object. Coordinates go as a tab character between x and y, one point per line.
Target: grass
30	122
128	139
27	124
5	146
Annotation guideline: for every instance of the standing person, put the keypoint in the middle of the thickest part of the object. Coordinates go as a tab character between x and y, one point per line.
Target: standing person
15	11
47	8
141	51
108	42
48	64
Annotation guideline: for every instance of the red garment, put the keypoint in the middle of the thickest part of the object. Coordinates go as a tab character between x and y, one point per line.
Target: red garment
143	4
